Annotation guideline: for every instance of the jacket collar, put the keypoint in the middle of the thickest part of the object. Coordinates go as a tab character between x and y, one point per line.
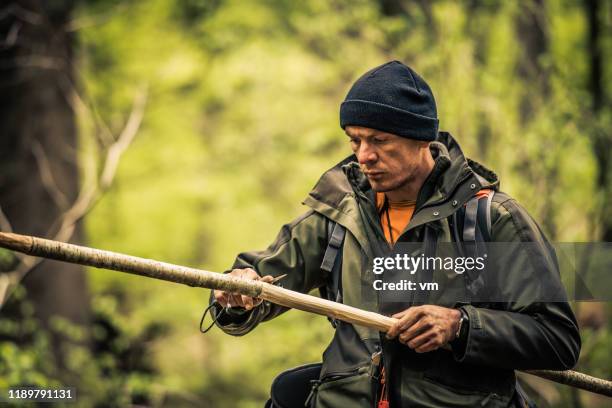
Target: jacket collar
451	168
452	182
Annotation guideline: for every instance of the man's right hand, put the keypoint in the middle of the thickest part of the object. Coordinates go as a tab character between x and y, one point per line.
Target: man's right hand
233	299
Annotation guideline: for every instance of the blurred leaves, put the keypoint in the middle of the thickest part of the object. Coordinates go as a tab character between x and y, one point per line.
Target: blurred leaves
113	368
241	120
8	260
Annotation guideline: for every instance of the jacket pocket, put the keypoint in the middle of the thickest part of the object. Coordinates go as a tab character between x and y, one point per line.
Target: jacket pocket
486	380
349	389
426	392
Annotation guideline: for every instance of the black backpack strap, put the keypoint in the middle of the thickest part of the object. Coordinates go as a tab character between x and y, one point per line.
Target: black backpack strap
477	211
487	217
483	219
456	220
335	237
469	221
471	228
332	263
472	243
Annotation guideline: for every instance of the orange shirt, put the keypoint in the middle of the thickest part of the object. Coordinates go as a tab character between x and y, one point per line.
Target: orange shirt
400	214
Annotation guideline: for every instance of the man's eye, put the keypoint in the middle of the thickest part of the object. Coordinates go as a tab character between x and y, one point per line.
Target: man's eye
379	141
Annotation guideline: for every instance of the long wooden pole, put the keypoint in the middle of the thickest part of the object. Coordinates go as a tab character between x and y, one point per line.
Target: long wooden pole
61	251
205	279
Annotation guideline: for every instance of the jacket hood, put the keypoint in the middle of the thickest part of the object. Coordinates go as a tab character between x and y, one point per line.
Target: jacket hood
452	177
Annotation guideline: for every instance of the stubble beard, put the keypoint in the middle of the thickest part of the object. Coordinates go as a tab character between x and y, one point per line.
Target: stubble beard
380	188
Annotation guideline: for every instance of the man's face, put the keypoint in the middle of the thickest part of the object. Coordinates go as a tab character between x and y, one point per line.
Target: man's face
389	161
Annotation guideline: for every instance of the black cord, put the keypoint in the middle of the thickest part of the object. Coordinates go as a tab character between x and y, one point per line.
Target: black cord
215	317
386	209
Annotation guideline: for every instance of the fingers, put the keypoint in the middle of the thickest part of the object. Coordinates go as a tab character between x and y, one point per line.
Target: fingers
400	314
248	273
232	299
235	300
415	330
229	299
267	278
417	340
247	301
428	346
424	328
392	332
221	297
406	319
395	329
409	317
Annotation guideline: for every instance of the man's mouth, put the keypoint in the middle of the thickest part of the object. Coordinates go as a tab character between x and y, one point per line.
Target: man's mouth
374	174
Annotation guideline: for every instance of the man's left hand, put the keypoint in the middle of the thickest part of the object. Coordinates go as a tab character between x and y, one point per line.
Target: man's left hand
425	328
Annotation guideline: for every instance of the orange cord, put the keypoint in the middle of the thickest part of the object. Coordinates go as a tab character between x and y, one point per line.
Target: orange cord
384	397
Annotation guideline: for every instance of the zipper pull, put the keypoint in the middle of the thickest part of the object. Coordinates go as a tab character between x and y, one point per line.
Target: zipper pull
313	391
485	401
375	364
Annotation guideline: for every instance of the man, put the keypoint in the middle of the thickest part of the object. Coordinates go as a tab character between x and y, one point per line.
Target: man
404	183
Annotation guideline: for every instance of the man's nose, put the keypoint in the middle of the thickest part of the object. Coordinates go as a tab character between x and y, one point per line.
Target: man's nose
366	154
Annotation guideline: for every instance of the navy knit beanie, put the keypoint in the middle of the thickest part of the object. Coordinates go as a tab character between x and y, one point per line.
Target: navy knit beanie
394	99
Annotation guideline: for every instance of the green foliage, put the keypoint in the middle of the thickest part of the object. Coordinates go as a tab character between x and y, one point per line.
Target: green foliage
108	363
242	118
8	260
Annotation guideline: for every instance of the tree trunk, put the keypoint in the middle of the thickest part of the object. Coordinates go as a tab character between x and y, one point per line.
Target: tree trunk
600	136
532	31
38	158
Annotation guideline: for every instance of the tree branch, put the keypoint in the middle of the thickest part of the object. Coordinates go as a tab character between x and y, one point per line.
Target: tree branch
124	140
88	196
46	176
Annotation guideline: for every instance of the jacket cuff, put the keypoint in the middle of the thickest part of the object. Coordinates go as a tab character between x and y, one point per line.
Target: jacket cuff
458	345
227	316
236	323
475	331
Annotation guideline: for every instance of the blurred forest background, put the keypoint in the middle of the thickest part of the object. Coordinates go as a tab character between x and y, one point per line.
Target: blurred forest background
188	131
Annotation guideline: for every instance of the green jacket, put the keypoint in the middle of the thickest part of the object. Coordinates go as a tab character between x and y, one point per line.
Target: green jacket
502	337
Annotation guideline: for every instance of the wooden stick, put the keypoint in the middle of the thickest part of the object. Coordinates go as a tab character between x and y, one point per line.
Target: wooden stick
576	379
200	278
313	304
61	251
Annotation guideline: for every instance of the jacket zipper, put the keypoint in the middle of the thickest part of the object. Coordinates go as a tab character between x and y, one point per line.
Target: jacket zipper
373	221
337	375
441	201
333	376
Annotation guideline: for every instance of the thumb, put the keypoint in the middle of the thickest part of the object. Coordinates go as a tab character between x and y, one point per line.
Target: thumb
267	278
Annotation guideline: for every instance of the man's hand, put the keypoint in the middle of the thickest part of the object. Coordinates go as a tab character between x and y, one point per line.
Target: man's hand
233	299
425	328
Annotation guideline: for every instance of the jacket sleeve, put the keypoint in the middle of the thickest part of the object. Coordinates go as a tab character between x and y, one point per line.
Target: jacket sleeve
297	251
527	333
